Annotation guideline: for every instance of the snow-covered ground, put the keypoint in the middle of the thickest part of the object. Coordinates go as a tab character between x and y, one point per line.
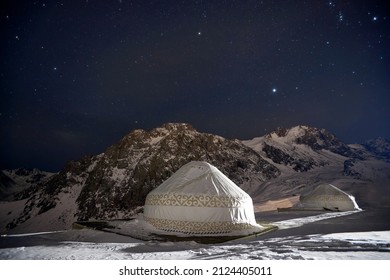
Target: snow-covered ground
92	244
350	246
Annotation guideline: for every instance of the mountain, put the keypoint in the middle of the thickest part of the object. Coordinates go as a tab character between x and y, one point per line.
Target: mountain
16	183
380	147
308	156
302	148
115	183
278	166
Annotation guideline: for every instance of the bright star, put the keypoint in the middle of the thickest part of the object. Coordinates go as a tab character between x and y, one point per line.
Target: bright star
341	16
199	33
274	90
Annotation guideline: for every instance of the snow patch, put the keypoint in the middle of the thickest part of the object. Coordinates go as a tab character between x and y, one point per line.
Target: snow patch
156	140
301	221
118	175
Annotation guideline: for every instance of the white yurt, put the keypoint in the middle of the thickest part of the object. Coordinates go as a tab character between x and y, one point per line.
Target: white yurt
327	197
199	199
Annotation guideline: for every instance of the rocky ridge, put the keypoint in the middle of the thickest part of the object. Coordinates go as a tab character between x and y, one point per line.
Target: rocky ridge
302	148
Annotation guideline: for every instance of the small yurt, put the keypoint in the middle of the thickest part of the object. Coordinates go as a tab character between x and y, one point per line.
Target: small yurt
327	197
199	199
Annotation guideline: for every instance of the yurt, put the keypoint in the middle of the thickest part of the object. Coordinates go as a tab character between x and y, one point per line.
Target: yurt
327	197
199	200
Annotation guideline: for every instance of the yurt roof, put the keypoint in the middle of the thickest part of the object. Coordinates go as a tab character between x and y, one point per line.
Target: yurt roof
199	177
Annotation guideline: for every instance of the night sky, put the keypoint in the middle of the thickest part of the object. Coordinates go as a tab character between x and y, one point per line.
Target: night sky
76	76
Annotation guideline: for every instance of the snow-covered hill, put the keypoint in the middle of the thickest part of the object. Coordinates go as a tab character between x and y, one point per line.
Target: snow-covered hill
13	182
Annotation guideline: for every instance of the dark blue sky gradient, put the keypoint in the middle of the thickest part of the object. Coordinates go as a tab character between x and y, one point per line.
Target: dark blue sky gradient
76	76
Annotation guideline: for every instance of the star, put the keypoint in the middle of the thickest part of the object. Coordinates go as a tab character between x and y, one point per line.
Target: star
55	68
274	90
341	17
375	18
199	33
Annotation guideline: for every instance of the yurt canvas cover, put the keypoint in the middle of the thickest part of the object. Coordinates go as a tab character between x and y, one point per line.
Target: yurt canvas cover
327	197
200	200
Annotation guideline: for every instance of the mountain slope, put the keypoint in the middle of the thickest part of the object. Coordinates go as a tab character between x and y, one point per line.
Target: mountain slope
6	185
13	182
380	147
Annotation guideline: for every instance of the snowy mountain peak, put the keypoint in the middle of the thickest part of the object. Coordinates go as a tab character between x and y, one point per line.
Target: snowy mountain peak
140	137
290	133
379	146
316	138
170	128
300	147
177	126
